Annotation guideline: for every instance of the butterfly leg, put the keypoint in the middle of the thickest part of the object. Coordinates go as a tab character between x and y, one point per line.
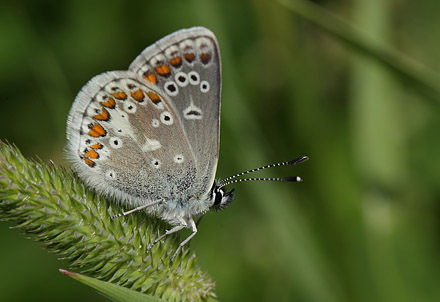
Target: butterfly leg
168	232
194	232
136	209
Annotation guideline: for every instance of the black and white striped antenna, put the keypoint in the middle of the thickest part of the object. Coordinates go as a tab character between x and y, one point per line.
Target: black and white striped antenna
232	180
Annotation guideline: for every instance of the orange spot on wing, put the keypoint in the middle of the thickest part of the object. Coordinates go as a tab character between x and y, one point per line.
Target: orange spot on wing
138	95
110	103
190	57
154	97
89	162
103	116
96	146
205	57
163	70
176	61
97	131
92	154
120	95
150	77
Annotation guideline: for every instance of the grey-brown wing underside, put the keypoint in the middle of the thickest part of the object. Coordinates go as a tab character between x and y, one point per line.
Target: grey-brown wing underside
126	141
185	66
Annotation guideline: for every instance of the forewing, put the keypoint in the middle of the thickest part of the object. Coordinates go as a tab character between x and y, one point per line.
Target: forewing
185	66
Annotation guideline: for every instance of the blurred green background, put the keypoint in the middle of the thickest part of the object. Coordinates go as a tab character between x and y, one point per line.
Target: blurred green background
363	226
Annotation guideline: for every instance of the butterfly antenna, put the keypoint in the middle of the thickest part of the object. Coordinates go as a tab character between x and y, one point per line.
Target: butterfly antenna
291	179
227	181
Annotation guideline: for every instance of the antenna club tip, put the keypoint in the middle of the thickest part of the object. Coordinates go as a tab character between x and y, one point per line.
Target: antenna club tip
298	160
291	178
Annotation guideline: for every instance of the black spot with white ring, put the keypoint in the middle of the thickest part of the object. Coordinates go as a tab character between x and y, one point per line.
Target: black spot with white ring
166	118
204	86
156	163
178	159
115	142
130	107
171	88
181	79
194	78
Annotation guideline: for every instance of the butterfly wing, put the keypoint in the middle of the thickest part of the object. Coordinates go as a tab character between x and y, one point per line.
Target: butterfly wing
127	141
185	66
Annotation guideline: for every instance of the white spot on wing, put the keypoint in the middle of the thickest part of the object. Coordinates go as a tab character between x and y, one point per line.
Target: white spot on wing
155	122
158	60
172	51
204	44
120	123
150	144
178	159
192	112
187	46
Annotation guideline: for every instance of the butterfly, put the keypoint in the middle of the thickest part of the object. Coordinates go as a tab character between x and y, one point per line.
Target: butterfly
149	136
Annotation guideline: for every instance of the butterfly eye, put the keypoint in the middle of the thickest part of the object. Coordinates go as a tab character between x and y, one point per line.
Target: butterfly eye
221	198
218	198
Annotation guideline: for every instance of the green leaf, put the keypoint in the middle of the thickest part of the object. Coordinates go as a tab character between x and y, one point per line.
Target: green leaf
111	291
